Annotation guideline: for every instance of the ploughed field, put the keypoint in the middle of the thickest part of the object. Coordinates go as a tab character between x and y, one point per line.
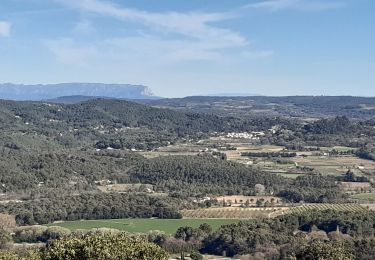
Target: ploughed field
169	226
229	212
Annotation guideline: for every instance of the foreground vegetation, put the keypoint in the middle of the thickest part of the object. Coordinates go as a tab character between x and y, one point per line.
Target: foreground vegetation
94	246
319	234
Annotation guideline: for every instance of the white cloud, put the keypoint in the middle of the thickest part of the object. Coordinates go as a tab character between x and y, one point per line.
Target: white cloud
5	29
168	38
163	51
150	50
302	5
196	25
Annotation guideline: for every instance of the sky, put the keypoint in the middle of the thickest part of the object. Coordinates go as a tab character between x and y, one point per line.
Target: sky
193	47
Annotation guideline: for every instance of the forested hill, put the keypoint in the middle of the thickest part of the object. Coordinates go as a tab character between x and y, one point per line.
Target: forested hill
121	124
290	106
113	113
107	123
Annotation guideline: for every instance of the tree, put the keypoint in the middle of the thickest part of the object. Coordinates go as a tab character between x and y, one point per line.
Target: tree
105	246
196	256
14	255
206	228
322	250
5	239
184	233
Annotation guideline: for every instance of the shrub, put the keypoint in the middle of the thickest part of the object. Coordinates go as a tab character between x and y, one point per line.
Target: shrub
103	246
196	256
33	234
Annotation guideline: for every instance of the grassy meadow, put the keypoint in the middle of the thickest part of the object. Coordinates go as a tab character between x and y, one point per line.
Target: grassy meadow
169	226
365	196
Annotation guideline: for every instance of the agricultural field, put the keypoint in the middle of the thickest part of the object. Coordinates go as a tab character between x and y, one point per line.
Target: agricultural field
355	186
370	206
336	165
338	148
243	147
169	226
307	207
230	213
364	196
286	167
292	167
327	165
291	175
238	200
178	149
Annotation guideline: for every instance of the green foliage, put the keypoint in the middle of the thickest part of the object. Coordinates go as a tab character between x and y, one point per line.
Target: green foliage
106	246
73	170
314	188
201	175
366	153
20	255
92	206
245	237
104	123
196	256
364	248
5	239
325	251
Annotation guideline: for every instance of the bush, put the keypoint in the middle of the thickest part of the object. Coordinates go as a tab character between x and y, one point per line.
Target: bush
17	255
34	234
103	246
5	239
29	234
324	250
196	256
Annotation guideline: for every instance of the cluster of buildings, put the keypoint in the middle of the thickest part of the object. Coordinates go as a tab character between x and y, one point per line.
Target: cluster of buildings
246	135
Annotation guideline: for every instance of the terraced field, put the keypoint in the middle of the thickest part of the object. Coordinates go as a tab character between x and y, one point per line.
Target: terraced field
230	212
308	207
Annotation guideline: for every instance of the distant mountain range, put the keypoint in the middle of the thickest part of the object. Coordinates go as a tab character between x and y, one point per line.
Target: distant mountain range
230	94
80	91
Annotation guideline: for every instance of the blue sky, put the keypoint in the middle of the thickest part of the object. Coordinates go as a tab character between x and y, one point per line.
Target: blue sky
190	47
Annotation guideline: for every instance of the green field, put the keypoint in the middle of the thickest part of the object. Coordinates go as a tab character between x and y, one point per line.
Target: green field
326	206
365	196
169	226
290	175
